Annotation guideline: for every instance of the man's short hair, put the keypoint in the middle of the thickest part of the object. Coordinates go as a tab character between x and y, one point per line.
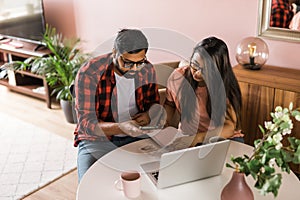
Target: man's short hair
130	41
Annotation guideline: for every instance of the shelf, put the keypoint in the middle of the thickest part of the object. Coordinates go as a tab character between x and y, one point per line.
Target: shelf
22	86
24	81
28	91
4	82
26	51
28	73
281	78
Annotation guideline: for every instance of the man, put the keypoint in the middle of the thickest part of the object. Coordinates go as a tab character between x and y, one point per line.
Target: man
281	13
114	93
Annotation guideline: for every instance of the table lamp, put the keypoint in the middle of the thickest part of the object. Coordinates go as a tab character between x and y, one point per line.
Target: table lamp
252	53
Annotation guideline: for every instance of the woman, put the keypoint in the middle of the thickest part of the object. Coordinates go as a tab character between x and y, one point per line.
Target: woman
206	94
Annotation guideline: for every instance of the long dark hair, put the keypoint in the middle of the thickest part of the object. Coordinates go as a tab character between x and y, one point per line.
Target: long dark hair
219	79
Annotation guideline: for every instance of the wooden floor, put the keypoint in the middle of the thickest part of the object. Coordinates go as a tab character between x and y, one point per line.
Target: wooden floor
35	111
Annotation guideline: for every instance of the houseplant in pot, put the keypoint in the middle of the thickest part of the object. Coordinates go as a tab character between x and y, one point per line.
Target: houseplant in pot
270	156
60	67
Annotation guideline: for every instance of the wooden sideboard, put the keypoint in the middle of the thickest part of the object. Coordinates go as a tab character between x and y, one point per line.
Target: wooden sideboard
263	90
25	82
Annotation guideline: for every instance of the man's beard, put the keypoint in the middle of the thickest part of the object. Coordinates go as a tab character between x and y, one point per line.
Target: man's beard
127	74
130	74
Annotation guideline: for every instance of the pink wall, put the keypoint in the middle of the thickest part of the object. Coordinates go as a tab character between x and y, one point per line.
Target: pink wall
98	21
60	14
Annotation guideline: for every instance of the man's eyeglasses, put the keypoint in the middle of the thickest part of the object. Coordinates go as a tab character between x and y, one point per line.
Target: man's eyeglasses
196	67
129	64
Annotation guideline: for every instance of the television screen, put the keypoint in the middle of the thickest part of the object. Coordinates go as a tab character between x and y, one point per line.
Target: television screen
22	19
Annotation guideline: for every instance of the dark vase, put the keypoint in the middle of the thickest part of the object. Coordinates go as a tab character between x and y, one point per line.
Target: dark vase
69	111
237	188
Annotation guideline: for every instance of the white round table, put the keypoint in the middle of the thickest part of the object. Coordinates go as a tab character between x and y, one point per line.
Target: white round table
98	182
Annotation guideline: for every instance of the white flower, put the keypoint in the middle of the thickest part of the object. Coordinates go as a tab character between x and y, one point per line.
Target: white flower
272	162
297	117
286	131
277	138
278	146
290	122
285	111
291	106
269	139
268	125
278	109
285	118
278	115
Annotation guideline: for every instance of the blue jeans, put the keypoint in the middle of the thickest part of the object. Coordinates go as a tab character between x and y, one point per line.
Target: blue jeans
238	139
90	151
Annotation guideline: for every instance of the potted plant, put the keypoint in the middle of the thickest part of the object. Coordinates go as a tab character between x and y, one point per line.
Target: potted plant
269	154
60	67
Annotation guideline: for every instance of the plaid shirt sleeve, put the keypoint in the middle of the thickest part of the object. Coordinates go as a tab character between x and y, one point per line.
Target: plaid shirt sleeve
86	91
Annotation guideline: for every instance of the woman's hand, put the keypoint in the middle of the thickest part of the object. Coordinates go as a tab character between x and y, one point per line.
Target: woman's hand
237	133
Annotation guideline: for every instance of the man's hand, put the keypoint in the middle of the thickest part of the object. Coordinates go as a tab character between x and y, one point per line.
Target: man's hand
131	128
156	116
142	119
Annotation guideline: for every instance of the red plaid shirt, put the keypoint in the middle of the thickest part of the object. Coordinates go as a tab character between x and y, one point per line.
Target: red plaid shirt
281	14
96	95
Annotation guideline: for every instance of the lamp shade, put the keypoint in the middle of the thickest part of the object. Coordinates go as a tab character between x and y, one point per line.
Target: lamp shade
252	53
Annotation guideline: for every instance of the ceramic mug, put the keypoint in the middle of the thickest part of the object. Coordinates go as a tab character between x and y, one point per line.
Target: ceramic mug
130	183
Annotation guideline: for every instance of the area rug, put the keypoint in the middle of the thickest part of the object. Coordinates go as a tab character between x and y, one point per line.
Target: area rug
30	157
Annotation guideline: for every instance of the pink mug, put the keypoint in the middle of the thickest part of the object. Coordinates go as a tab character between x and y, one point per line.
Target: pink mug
130	183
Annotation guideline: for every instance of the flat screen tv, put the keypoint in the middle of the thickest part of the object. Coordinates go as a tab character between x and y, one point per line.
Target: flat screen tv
22	20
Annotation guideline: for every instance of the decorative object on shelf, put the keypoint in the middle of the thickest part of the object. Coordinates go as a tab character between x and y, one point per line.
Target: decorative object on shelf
252	53
269	154
237	188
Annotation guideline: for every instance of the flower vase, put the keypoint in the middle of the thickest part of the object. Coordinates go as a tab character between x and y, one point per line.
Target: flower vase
237	188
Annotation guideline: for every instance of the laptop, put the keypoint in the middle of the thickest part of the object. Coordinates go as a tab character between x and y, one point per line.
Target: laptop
186	165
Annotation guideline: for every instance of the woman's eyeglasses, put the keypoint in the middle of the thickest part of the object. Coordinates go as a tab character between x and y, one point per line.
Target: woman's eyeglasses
196	67
129	64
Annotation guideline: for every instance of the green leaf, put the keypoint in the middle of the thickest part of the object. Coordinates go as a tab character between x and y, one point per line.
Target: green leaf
254	166
286	155
257	142
267	184
294	143
262	130
269	170
230	166
296	158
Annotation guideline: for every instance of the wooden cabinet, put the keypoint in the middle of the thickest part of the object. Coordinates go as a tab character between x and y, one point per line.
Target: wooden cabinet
263	90
25	82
